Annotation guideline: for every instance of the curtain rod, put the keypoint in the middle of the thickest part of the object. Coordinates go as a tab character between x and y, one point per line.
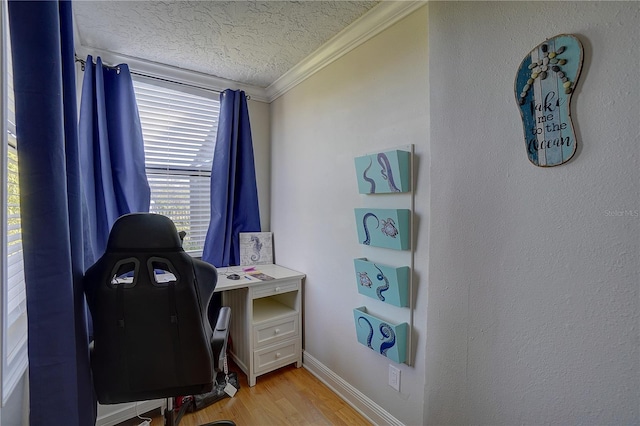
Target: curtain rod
83	63
139	74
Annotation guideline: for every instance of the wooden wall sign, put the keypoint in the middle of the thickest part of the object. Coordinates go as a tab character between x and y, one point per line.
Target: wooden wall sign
544	85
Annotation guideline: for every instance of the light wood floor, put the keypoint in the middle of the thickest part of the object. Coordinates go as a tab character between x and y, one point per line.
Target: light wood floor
288	396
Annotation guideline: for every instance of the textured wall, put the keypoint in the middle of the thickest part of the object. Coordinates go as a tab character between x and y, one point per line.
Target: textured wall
533	286
373	98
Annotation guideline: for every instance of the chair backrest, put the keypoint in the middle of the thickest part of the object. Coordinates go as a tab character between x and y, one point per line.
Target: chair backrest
149	300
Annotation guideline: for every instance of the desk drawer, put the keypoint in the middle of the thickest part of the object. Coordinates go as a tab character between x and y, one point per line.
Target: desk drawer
266	290
275	331
276	356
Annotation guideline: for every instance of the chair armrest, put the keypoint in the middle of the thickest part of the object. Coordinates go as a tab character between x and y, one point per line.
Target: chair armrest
220	337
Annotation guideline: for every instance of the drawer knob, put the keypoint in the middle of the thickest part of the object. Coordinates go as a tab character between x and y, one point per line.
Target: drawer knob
277	354
276	331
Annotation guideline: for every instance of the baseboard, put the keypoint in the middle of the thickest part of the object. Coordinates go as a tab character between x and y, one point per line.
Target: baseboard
352	396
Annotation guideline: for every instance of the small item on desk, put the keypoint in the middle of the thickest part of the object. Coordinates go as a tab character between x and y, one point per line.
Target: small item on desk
262	277
247	278
233	276
250	268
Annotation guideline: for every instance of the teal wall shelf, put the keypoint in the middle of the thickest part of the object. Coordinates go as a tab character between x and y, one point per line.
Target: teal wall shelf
384	172
382	337
389	228
386	180
388	284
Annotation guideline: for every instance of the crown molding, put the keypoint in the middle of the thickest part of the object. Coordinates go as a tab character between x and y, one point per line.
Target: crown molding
171	73
381	17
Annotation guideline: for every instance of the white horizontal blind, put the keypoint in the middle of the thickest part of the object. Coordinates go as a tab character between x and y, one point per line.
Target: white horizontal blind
179	130
14	320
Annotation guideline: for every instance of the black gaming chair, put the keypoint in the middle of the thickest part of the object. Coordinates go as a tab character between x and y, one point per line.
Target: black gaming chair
149	301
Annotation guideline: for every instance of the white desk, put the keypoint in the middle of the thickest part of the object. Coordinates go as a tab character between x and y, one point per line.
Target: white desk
266	318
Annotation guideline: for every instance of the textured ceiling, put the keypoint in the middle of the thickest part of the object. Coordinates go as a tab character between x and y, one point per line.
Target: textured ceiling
251	42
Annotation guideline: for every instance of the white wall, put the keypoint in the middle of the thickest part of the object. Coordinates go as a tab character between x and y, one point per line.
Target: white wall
532	273
372	99
533	285
260	132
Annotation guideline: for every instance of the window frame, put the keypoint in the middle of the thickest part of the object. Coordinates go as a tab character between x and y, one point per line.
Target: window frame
14	360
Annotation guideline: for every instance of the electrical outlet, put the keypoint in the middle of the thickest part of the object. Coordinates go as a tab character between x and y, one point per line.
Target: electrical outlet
394	377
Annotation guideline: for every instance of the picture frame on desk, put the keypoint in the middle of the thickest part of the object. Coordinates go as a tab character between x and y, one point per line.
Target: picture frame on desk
256	248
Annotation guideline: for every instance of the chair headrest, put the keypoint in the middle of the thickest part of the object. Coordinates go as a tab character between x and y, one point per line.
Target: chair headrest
143	231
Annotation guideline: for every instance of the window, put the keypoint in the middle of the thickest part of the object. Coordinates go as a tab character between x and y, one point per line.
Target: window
14	301
179	127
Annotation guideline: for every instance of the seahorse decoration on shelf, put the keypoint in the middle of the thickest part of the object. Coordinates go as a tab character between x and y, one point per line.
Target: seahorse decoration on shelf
385	172
388	336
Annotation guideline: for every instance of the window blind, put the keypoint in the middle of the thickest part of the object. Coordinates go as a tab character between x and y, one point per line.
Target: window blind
14	320
179	129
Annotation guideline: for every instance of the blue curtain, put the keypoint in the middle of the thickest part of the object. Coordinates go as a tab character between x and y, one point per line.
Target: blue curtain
111	152
234	195
51	208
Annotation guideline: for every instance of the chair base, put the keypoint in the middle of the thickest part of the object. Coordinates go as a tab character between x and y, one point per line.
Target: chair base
173	417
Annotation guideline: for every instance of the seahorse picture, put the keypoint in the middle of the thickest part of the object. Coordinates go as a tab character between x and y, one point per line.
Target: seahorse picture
384	172
388	284
384	227
256	248
380	336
